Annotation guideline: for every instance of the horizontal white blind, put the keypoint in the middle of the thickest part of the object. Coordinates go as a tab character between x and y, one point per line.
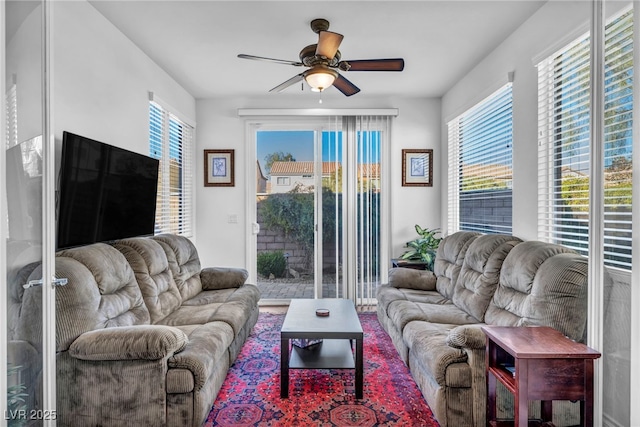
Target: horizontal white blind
480	166
12	116
563	161
170	141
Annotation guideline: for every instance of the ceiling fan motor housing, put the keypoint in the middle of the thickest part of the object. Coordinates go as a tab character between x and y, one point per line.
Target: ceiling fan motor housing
319	24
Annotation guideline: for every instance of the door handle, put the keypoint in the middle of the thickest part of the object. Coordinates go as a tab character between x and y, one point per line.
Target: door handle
255	228
54	282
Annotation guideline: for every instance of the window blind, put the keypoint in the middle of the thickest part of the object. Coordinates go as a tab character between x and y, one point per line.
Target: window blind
12	116
563	147
480	166
170	141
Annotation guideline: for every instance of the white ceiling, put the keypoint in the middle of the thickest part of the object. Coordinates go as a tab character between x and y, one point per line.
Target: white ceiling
197	42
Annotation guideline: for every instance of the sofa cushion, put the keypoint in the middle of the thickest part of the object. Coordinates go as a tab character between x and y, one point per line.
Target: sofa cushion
184	263
101	292
149	262
542	284
449	259
205	351
403	312
411	278
387	294
430	339
480	272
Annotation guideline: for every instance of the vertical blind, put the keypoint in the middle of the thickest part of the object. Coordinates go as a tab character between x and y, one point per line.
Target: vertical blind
360	239
563	146
170	141
480	166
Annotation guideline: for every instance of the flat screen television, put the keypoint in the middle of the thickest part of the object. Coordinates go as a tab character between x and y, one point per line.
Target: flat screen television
105	192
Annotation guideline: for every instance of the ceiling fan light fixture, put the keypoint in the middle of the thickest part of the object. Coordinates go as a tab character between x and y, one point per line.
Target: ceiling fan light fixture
320	77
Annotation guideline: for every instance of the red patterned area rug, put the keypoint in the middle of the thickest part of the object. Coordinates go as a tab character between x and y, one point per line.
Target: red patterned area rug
250	395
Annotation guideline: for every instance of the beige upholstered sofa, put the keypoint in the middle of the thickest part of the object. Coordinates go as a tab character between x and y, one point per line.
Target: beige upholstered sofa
144	335
434	319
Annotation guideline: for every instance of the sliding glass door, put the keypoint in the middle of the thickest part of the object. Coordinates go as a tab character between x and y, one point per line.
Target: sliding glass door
318	205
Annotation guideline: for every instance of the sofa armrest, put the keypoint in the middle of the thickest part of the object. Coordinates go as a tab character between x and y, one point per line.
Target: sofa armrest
146	342
223	277
400	277
467	337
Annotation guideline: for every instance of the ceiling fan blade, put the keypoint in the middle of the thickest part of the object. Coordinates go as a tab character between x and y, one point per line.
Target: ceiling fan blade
345	86
390	64
262	58
328	43
291	81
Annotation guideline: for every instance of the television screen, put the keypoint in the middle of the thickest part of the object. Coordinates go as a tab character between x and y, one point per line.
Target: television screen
106	193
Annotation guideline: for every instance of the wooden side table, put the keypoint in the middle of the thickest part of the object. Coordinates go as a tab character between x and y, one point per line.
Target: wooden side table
538	363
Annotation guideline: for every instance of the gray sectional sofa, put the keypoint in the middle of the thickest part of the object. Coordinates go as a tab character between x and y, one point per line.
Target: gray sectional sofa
434	319
144	335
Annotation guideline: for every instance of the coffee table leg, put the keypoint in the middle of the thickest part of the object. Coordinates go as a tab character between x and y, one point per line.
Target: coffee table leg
359	369
284	367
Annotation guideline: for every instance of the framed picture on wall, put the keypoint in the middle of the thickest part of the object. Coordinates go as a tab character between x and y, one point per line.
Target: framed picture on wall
218	168
417	168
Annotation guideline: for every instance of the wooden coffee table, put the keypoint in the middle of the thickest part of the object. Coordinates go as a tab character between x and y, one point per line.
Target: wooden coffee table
337	331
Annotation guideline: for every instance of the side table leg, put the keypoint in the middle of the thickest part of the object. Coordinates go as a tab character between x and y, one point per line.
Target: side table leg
359	369
284	368
491	397
521	407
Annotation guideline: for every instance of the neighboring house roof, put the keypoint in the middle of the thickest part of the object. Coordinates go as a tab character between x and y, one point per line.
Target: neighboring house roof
306	168
369	170
300	168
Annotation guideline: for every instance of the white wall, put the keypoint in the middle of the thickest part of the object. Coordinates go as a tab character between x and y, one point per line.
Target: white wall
547	30
219	127
101	80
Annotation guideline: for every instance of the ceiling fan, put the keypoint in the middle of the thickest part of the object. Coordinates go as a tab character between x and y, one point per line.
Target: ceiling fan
323	61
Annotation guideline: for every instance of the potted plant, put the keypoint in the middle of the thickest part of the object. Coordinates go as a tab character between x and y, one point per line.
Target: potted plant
424	248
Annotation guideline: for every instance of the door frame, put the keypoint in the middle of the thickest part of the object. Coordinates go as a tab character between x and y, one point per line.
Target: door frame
259	118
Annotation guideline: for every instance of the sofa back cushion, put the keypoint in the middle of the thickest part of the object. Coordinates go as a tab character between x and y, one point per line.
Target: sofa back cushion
151	267
101	292
184	263
449	258
542	284
480	272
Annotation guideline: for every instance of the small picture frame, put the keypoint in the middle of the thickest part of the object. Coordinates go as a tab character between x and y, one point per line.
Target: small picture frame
219	168
417	168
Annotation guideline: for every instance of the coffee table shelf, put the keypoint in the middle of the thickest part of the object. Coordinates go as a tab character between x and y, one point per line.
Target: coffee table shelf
329	354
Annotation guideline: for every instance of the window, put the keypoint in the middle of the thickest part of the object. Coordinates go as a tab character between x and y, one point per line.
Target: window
282	180
480	166
564	134
170	141
12	116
